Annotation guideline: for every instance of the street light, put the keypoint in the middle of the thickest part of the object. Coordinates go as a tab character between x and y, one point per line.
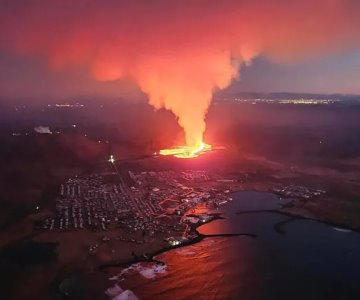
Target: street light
112	159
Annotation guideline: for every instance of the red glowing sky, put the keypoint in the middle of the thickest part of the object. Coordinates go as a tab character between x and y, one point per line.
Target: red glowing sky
177	52
115	38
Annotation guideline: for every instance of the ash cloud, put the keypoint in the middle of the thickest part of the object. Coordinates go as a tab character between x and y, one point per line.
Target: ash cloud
178	52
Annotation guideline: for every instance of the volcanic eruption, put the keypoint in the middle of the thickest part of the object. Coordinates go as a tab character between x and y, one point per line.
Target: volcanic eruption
187	151
178	52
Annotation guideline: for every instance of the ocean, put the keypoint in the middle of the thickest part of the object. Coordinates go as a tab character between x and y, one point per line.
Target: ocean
289	259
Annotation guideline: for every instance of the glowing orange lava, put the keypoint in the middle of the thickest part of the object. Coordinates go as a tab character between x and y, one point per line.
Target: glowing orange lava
187	151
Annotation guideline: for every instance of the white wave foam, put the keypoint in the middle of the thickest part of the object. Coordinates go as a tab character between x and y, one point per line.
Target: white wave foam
342	229
117	293
152	272
114	291
114	278
185	251
147	271
126	295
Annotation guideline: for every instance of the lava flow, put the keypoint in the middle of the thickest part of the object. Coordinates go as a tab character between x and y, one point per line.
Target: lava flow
187	151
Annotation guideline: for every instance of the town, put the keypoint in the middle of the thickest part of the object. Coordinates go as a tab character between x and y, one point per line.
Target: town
149	202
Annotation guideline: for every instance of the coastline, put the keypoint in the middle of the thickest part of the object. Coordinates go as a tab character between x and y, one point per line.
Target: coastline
198	237
151	256
299	212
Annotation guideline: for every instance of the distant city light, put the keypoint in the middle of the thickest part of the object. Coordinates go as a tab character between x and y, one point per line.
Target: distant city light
301	101
65	105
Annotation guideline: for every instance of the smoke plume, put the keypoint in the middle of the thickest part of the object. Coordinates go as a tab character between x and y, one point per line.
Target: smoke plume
178	52
42	129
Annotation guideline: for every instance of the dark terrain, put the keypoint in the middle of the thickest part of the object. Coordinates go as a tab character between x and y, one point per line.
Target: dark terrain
266	144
